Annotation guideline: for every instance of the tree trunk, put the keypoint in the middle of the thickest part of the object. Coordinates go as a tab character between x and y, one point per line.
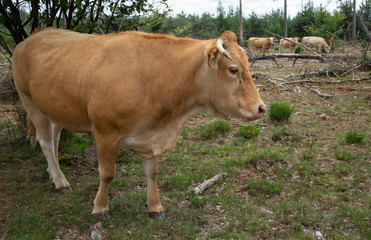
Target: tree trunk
354	24
285	18
241	29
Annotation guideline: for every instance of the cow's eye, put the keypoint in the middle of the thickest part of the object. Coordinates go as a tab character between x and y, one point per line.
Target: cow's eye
233	70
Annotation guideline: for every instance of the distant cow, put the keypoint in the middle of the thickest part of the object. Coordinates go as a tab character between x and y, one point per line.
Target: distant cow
316	42
132	90
287	44
264	43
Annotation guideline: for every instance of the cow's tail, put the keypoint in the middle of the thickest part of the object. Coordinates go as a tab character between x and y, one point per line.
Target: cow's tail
31	135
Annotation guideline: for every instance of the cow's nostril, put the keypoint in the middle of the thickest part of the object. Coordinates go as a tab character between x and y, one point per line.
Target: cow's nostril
262	109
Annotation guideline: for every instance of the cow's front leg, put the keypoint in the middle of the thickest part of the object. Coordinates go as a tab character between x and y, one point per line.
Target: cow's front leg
107	148
155	209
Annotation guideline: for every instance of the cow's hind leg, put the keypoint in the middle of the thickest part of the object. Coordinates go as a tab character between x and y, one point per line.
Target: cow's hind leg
107	147
155	209
47	135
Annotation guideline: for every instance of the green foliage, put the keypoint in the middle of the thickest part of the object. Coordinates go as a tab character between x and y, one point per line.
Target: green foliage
183	31
354	137
302	19
280	112
364	44
298	49
74	143
275	22
213	129
254	26
83	16
249	131
343	155
325	23
264	187
364	19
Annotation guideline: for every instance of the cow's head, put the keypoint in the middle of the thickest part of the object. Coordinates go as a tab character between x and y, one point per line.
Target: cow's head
231	90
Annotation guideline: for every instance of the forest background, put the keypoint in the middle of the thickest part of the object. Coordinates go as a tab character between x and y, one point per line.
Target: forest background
19	18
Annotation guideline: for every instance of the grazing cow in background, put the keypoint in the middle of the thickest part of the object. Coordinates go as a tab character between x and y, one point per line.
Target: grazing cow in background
287	44
132	90
316	42
264	43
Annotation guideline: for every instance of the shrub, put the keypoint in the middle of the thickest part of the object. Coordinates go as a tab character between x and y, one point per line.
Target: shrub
354	137
280	112
298	49
364	44
249	131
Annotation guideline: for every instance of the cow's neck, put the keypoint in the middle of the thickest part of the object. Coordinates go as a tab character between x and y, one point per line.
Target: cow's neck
171	106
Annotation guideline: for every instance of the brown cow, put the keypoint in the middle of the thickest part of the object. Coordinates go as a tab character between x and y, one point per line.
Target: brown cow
287	44
132	90
264	43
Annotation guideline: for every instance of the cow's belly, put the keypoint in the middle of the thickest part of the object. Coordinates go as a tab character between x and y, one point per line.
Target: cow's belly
152	142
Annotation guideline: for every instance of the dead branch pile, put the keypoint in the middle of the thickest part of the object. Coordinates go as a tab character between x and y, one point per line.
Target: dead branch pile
273	57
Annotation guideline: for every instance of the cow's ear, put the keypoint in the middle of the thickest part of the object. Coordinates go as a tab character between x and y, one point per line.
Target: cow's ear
213	57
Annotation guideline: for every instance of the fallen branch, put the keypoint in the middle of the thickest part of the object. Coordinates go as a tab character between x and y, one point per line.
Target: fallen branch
208	183
340	81
285	55
355	46
307	48
325	95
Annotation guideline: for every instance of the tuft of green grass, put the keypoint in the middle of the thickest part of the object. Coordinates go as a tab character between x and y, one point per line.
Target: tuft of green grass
280	112
249	131
74	143
264	187
213	129
343	155
354	137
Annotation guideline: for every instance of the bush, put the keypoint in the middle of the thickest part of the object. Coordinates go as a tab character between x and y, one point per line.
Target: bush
354	137
249	131
298	49
364	44
280	112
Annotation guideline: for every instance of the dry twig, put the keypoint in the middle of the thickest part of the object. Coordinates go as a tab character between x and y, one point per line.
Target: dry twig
208	183
325	95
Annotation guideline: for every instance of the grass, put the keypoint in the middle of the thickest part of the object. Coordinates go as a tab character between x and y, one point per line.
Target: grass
284	181
249	131
354	137
211	130
279	112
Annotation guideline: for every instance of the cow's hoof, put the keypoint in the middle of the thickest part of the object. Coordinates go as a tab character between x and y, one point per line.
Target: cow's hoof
156	215
64	190
102	217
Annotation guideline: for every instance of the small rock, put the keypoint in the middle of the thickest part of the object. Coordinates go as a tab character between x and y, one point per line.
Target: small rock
97	232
